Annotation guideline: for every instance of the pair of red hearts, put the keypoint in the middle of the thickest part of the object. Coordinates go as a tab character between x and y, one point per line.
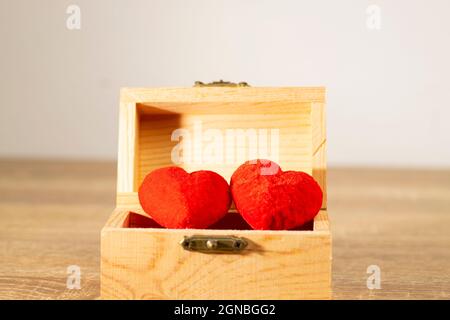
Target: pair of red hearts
265	196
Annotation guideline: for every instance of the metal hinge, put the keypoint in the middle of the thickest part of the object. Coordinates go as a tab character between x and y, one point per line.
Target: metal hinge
221	83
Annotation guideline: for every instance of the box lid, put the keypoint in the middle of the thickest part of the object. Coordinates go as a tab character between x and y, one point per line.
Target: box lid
218	128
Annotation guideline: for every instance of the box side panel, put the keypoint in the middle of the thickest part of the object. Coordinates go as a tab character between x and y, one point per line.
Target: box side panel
142	264
318	122
321	221
319	147
128	153
319	171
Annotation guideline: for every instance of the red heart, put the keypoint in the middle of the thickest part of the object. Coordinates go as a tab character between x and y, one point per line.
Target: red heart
270	199
177	199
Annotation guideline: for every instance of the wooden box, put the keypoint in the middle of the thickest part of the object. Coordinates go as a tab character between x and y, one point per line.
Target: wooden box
140	260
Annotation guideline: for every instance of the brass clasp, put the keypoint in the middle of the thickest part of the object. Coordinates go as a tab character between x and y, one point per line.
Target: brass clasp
214	244
221	83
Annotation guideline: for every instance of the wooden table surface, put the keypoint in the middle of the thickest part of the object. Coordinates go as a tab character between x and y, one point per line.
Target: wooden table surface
51	214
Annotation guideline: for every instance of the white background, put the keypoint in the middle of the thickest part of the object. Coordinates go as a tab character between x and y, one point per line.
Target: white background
388	90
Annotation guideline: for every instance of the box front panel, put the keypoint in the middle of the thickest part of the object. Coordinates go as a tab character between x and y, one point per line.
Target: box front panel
151	264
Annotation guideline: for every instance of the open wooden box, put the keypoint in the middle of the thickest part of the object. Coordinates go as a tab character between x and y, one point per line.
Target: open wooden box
140	260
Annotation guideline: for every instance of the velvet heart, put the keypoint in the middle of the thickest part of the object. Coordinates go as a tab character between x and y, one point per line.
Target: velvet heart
270	199
177	199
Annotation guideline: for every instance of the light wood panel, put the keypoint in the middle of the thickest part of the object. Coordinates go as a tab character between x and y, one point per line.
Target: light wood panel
151	264
293	133
226	107
319	171
222	94
128	153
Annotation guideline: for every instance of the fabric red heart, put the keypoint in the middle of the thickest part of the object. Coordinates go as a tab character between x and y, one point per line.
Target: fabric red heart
177	199
270	199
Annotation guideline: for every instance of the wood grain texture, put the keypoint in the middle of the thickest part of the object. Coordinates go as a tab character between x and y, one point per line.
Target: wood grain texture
128	153
222	94
151	264
51	214
319	171
293	130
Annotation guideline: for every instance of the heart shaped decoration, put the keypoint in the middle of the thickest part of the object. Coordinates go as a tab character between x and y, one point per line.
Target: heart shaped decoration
177	199
270	199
